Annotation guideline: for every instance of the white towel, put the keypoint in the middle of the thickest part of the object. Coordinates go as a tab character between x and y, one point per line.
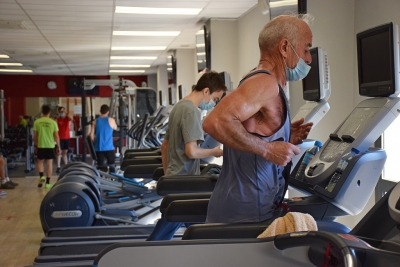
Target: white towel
291	222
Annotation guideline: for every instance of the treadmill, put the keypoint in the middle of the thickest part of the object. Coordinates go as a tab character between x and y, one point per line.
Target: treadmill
363	126
58	240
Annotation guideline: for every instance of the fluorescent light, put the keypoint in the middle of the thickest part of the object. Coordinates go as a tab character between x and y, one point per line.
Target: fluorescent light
199	61
200	32
201	54
135	71
283	3
140	48
157	10
10	64
129	66
4	56
133	57
169	69
147	33
11	70
169	64
200	45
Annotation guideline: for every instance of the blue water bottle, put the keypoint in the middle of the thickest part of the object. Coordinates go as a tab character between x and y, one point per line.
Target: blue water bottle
309	155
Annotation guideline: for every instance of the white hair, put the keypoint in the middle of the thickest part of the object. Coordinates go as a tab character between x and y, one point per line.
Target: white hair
281	27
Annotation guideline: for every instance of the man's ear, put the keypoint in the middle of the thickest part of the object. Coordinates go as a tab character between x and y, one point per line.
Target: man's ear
206	90
283	47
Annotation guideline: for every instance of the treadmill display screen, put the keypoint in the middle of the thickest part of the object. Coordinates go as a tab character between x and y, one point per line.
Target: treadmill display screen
377	53
311	83
375	61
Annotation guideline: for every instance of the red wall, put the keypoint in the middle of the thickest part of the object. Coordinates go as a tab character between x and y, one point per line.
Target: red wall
18	87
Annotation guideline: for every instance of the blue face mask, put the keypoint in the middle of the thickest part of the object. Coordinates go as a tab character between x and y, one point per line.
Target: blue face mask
299	72
62	115
204	106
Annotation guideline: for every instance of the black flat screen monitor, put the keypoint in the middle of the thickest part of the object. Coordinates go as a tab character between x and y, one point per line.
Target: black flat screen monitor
171	99
312	82
377	58
171	69
203	49
160	98
75	85
181	93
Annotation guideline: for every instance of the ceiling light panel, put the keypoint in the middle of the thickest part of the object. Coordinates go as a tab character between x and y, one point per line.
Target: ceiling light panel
141	48
14	70
148	23
133	57
128	66
147	33
157	11
126	71
10	64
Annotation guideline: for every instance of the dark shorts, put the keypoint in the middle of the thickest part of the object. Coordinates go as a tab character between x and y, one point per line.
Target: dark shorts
46	153
103	156
64	144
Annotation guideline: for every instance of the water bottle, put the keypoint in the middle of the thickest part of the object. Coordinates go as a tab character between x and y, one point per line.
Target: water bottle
310	153
344	161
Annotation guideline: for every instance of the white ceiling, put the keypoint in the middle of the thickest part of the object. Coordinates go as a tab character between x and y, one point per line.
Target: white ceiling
74	37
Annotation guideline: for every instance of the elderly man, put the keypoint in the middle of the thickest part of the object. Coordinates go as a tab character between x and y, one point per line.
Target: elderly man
253	123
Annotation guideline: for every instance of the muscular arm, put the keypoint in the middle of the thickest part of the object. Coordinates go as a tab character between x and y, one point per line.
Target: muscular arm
192	151
164	155
224	123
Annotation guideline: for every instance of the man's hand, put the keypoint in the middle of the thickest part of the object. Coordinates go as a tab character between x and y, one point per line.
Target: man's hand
58	151
281	153
299	131
35	150
218	152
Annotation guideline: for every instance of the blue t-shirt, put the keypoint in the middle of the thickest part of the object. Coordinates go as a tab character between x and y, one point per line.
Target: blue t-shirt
104	135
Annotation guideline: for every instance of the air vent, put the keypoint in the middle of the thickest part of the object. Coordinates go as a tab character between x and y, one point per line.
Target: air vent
13	25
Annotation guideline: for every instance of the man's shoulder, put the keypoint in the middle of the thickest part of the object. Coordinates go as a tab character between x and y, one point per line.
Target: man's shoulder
39	120
259	86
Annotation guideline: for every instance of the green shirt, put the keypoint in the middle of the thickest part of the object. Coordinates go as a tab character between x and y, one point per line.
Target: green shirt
23	123
45	128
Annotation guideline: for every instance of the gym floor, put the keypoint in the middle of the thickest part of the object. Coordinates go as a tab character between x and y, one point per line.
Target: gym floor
20	226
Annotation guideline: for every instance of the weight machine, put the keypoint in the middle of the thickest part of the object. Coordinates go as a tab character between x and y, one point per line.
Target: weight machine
121	89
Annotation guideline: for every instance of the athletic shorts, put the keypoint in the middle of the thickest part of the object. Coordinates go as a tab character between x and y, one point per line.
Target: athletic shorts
46	153
64	144
102	156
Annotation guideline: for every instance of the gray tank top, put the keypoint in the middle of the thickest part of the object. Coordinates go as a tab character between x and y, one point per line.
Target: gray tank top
249	187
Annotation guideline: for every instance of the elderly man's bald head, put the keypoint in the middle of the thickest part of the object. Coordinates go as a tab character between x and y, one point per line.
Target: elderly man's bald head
285	26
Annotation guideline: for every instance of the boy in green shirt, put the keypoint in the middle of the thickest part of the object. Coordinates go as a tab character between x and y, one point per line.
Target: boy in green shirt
45	135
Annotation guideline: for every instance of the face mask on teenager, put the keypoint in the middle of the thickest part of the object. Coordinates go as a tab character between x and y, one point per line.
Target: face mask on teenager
299	72
62	115
204	106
